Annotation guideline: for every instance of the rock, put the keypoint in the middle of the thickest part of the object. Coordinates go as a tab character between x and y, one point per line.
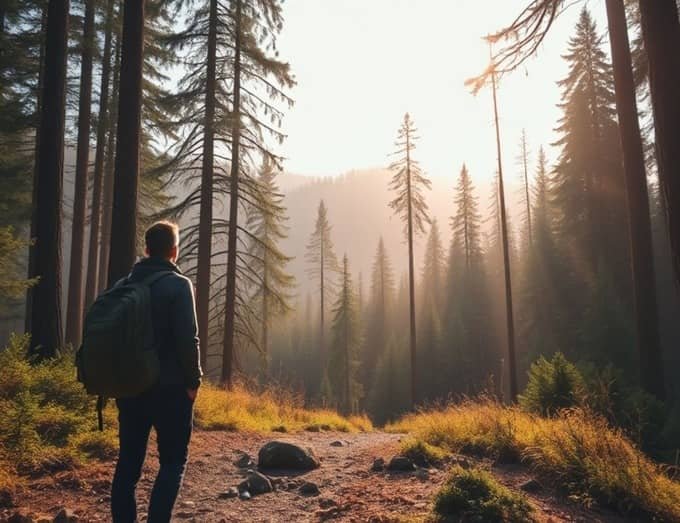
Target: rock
378	465
401	464
232	492
423	474
245	495
20	517
531	486
187	504
337	443
326	503
65	515
256	484
244	461
309	489
462	462
283	455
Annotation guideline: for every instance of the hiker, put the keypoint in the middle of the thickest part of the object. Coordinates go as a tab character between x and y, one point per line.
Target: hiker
168	405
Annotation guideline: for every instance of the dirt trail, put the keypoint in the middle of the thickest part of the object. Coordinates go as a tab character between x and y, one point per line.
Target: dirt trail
349	491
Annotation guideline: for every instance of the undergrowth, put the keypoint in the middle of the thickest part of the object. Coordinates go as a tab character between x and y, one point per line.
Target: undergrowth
575	450
474	495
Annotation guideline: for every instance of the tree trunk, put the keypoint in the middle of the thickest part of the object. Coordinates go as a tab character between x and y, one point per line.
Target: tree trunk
411	275
107	196
661	34
74	312
206	212
230	308
642	255
265	313
527	196
46	295
512	362
91	287
126	173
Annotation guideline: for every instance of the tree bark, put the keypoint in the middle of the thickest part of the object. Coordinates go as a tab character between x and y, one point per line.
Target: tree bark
46	295
206	212
126	172
92	279
661	35
74	312
642	255
411	276
230	308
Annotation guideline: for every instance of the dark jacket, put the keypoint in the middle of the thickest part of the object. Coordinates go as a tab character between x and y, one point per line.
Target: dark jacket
173	315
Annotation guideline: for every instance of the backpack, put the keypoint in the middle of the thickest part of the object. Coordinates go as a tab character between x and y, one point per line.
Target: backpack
118	356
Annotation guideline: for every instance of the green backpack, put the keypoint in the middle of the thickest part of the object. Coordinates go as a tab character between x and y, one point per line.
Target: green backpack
118	357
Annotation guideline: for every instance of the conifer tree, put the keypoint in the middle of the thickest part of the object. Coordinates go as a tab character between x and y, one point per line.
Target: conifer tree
409	182
466	223
271	290
526	196
323	266
46	329
343	364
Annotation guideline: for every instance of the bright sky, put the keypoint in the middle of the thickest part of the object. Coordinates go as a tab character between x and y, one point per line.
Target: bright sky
360	64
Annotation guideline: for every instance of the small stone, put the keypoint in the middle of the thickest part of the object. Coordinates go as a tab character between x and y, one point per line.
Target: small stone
326	503
231	492
65	515
531	486
378	465
309	489
187	504
337	443
256	484
244	495
462	462
401	464
423	474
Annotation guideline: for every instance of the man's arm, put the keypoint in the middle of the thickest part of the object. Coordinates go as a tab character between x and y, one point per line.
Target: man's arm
185	330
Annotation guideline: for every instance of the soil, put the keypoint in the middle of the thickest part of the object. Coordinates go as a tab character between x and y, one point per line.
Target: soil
349	490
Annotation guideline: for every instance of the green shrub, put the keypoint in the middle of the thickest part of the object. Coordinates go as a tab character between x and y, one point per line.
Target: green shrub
422	453
553	385
96	445
474	495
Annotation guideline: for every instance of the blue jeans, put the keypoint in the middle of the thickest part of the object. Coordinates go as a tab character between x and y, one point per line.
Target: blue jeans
169	410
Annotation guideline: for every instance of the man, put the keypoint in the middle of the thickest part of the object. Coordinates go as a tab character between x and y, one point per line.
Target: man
168	406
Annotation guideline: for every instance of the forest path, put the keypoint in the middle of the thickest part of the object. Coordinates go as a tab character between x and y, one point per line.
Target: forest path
349	490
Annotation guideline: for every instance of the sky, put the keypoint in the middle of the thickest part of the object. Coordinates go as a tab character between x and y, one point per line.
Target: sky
361	64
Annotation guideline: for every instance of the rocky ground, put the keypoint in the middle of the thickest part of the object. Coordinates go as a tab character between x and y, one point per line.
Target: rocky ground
343	488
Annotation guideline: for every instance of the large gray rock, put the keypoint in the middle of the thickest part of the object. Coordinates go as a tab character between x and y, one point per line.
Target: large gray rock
284	455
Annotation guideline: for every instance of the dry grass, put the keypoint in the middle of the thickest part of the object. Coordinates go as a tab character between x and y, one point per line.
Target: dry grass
270	410
576	451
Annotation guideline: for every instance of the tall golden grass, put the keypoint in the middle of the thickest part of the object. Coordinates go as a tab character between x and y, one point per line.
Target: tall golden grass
575	450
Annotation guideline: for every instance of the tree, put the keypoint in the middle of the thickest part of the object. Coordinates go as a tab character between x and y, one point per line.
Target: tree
343	364
127	166
466	223
661	34
524	163
93	257
323	265
409	182
46	335
256	24
642	254
74	312
266	225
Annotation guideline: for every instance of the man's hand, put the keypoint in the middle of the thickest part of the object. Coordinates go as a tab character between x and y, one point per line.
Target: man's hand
192	393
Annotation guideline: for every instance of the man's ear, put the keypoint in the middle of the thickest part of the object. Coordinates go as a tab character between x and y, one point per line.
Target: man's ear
174	253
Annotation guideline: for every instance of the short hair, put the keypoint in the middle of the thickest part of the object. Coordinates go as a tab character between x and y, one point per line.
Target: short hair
161	237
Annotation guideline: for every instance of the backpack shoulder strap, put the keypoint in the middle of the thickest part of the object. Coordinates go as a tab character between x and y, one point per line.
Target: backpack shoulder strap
153	278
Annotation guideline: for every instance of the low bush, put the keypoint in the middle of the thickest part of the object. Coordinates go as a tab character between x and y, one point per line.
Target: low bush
575	450
474	495
422	453
553	385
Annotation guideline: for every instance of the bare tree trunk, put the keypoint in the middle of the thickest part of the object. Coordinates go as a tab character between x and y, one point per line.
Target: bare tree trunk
230	308
661	34
642	255
126	174
107	197
411	276
265	313
74	312
527	196
92	279
46	295
206	212
512	363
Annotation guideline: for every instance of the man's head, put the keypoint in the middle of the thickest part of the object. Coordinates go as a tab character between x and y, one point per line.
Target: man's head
162	240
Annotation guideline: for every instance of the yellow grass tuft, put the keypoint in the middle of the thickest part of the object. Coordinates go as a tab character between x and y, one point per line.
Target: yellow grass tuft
270	410
576	450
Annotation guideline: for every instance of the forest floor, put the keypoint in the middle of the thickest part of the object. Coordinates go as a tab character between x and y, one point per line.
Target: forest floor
349	489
